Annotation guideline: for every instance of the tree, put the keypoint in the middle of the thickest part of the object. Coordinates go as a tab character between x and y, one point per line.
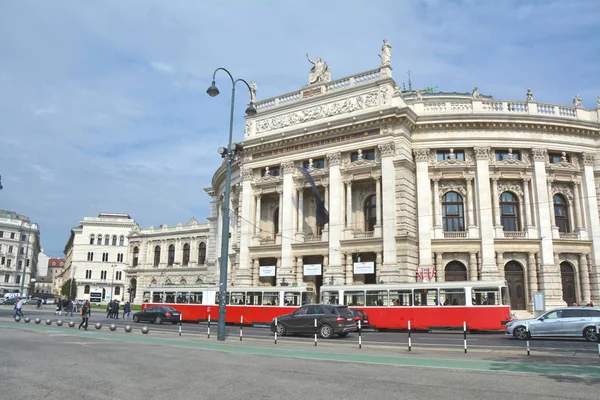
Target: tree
68	289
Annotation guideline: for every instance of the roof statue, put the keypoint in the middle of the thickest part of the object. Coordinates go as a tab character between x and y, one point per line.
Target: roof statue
577	101
253	88
475	93
320	71
386	53
529	95
598	103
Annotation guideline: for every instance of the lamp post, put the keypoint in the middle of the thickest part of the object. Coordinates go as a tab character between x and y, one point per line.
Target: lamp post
26	255
1	183
250	111
112	283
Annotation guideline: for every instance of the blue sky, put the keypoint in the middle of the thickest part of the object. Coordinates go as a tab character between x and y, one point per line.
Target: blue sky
103	104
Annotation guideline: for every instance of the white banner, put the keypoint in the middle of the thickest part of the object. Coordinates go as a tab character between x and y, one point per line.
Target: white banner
312	269
266	270
367	267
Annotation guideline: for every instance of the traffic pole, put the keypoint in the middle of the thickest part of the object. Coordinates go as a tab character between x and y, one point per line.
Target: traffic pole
527	330
275	330
315	332
359	335
209	326
409	340
598	337
180	316
241	327
465	335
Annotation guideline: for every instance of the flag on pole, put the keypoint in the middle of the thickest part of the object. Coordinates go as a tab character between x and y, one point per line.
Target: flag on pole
322	213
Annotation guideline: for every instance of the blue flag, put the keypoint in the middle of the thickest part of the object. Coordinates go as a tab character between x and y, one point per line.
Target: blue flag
322	213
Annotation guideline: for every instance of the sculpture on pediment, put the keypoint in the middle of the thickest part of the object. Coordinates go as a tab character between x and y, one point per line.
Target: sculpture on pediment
475	93
419	95
577	101
319	72
386	53
598	103
529	95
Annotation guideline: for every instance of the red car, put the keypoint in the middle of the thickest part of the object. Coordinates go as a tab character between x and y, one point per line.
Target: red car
360	315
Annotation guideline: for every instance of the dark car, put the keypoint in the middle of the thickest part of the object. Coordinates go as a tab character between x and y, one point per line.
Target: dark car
157	314
331	320
360	315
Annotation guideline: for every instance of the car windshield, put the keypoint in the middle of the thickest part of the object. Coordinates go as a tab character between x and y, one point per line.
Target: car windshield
167	309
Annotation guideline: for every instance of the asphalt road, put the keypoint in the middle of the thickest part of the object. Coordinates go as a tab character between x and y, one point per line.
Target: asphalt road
490	341
50	362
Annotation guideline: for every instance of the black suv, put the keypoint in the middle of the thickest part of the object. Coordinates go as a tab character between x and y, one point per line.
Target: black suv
331	320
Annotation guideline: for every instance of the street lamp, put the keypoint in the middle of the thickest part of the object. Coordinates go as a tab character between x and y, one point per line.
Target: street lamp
1	183
112	283
250	111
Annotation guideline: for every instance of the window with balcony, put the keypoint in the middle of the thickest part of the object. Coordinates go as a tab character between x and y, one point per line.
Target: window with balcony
509	212
451	154
509	154
185	260
561	213
315	163
364	154
136	255
453	212
156	256
202	253
555	158
370	212
171	259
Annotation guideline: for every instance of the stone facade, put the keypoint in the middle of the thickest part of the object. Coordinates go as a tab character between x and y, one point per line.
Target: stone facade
474	187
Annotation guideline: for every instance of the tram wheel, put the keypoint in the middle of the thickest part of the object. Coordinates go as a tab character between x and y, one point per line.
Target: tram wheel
520	333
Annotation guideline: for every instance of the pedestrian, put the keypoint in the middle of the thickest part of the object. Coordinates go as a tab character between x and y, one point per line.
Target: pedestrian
18	308
109	310
127	310
116	309
58	307
86	313
69	308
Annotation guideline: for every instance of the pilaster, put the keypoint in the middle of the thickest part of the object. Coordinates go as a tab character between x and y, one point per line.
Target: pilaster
424	207
388	181
336	216
244	276
489	269
287	218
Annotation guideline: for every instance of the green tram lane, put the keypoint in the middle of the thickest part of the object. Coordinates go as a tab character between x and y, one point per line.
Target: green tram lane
526	365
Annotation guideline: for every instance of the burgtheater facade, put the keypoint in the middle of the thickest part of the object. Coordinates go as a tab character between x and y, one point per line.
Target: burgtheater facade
418	185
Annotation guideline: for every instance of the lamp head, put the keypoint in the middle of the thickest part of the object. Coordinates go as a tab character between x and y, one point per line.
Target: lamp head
251	110
222	151
212	90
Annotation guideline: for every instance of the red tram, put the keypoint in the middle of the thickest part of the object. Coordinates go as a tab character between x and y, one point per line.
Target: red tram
483	305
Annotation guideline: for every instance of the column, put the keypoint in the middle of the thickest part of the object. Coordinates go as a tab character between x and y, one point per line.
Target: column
336	218
499	232
489	269
555	232
584	275
244	275
378	232
299	270
349	269
280	215
378	261
300	224
529	228
472	225
589	193
286	219
532	274
577	206
500	263
424	206
349	225
255	271
437	210
439	267
389	270
549	280
325	231
473	267
257	216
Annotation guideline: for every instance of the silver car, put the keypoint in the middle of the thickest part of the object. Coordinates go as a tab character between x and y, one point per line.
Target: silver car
565	322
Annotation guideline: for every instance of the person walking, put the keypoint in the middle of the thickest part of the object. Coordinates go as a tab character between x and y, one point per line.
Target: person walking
58	307
109	310
69	308
116	309
126	310
86	313
18	308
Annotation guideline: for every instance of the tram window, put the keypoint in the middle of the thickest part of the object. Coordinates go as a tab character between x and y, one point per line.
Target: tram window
157	297
400	298
452	297
170	298
426	297
485	297
330	297
254	298
181	298
307	297
146	297
196	298
377	298
505	296
237	298
291	298
354	298
271	299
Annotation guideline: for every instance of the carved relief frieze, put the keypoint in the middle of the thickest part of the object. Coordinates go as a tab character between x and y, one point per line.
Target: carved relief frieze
452	186
452	160
539	154
482	153
334	159
421	154
387	149
288	167
589	159
513	186
385	94
247	174
566	189
339	107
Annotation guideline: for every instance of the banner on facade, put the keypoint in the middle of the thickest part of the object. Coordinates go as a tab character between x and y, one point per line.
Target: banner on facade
426	274
268	270
312	269
366	267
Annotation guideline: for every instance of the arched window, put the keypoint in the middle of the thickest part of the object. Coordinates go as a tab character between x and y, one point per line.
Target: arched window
86	289
156	256
92	238
117	290
114	240
171	259
370	211
186	254
561	213
453	212
107	240
136	255
275	222
455	271
509	212
99	242
121	240
202	253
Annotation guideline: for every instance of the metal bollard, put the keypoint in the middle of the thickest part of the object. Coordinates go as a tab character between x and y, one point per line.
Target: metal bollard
527	330
180	316
276	330
112	327
465	335
241	327
98	325
315	332
209	326
359	335
409	339
145	330
127	328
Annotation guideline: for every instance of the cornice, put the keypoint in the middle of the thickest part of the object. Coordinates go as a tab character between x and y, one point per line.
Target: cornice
495	125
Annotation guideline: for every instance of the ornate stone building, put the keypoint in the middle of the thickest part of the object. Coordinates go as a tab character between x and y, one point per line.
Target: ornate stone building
462	184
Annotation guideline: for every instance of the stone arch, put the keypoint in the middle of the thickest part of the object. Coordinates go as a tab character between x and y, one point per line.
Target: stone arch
455	271
514	274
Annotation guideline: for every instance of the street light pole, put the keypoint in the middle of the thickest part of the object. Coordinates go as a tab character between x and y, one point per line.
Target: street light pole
25	261
112	283
250	111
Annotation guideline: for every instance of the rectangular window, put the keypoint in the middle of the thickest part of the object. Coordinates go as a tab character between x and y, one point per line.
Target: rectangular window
1	234
426	297
18	280
269	299
158	297
146	297
8	262
170	298
452	297
291	298
23	238
20	264
3	260
272	171
22	250
364	154
330	297
443	155
485	297
316	163
556	158
354	298
377	298
196	298
502	155
237	298
401	298
6	278
12	235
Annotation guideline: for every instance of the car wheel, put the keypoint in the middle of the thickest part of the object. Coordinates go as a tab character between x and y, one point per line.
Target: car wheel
343	334
590	334
136	319
158	320
281	331
325	331
520	333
